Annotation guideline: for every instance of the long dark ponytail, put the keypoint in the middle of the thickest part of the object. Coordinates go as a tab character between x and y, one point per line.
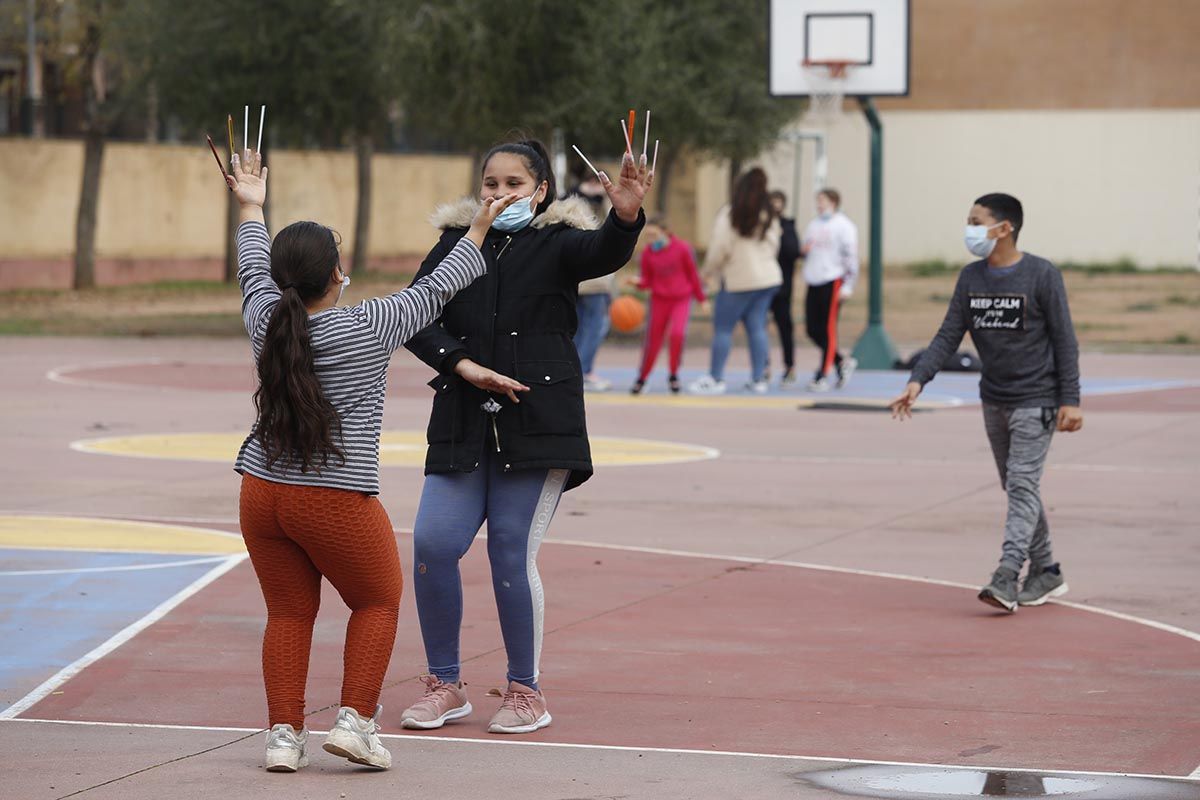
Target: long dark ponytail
751	211
296	422
537	161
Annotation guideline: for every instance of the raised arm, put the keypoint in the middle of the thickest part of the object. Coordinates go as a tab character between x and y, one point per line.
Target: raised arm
260	295
400	316
592	254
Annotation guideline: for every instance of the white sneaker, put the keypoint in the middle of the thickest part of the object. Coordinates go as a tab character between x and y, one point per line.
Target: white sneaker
285	749
819	385
707	384
847	371
357	739
596	384
758	387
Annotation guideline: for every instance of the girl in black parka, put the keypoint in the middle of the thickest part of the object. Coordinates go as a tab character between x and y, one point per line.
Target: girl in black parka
507	434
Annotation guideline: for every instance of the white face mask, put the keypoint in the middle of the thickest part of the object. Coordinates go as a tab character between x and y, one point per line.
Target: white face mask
977	241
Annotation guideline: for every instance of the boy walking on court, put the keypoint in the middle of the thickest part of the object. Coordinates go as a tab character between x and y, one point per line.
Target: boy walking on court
830	250
1015	306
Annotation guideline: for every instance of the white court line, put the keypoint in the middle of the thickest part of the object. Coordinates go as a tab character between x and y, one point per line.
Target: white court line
630	749
62	374
118	639
119	568
1149	623
1162	626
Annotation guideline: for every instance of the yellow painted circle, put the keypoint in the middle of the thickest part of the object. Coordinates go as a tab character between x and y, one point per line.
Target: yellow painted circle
396	449
113	535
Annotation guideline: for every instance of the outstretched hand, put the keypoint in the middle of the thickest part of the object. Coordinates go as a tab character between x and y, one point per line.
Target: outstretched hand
489	380
902	406
248	179
627	193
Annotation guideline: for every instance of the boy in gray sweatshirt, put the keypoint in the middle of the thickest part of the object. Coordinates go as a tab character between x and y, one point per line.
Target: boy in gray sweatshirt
1014	305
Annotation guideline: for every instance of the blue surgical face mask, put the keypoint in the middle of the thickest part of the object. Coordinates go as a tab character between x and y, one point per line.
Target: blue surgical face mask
518	215
659	244
977	241
826	215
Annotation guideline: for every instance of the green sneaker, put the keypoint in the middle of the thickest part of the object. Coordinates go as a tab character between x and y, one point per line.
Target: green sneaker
1002	591
1042	585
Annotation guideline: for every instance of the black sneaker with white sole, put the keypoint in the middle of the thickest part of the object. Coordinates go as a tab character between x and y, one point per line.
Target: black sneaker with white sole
1002	591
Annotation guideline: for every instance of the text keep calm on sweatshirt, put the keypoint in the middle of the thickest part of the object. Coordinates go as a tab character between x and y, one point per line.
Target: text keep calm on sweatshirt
1020	322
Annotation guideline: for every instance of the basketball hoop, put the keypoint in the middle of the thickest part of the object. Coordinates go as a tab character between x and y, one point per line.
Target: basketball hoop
828	79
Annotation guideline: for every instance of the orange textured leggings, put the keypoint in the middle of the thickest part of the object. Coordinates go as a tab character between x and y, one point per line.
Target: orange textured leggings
295	535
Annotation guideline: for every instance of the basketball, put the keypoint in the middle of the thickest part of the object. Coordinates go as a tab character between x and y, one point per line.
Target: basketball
627	313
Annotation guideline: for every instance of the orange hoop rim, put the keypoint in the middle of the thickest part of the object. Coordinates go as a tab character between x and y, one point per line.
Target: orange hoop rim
837	69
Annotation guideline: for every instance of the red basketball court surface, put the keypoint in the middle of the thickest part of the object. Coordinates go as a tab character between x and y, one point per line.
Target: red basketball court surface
748	596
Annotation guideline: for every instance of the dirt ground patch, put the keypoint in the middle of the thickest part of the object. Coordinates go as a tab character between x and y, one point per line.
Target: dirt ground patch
1157	310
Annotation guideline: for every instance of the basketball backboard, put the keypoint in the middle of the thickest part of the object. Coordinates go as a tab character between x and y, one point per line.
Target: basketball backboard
865	41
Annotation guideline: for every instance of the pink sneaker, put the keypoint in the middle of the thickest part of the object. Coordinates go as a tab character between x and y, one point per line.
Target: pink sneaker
441	703
523	710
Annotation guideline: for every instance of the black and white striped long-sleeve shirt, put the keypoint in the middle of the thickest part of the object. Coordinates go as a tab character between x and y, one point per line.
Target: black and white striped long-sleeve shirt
351	349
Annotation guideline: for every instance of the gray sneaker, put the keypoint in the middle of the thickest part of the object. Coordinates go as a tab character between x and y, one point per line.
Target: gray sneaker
1002	591
1042	585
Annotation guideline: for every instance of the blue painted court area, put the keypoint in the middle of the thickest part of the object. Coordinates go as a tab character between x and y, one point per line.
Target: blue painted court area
56	605
948	388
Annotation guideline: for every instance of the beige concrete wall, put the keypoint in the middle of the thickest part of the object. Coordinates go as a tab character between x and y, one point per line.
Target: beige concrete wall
1096	185
409	188
157	201
39	196
166	203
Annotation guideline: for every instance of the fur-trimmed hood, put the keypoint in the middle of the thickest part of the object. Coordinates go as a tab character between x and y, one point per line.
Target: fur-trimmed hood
573	211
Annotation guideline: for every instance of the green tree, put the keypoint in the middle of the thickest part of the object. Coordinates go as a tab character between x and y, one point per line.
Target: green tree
478	69
95	61
323	68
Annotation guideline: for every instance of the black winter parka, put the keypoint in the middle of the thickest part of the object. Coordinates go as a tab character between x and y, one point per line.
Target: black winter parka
519	320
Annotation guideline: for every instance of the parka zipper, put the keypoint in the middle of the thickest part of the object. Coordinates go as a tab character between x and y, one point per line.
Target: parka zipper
491	407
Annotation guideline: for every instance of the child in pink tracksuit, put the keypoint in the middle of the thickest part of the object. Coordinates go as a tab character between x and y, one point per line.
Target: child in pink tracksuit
669	273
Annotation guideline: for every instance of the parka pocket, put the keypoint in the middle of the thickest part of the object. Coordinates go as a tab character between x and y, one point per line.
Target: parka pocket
444	421
554	403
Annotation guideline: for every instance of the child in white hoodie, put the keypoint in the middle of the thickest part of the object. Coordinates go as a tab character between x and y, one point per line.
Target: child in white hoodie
830	248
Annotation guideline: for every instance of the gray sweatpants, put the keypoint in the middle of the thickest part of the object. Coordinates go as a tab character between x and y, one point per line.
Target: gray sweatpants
1020	439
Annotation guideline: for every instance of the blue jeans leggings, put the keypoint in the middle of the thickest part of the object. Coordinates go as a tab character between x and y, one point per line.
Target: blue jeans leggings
593	327
749	308
518	507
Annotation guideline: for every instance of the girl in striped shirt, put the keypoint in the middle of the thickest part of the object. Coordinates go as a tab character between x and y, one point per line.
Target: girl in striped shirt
310	466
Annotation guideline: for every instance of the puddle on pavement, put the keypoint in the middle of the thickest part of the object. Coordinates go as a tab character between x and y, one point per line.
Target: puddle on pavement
927	783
